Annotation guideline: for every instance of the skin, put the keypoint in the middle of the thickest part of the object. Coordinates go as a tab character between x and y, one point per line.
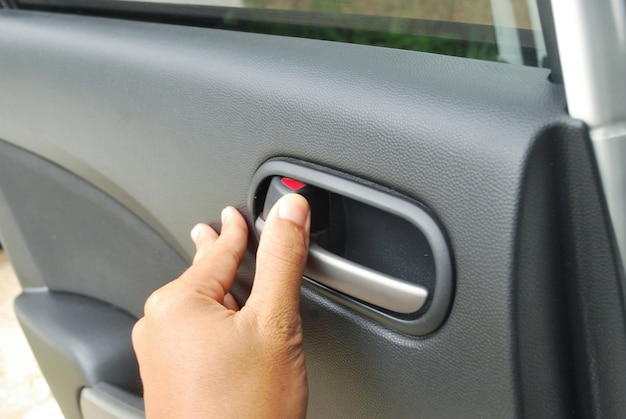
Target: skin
200	356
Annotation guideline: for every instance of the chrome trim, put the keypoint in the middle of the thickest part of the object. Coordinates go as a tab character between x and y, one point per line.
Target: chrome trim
363	283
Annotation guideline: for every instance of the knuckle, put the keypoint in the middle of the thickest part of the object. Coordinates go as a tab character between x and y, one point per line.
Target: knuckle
137	332
153	303
230	253
163	303
239	228
278	335
282	331
200	254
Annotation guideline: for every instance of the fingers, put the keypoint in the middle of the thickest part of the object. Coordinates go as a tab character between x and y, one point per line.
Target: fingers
281	257
203	236
230	302
217	257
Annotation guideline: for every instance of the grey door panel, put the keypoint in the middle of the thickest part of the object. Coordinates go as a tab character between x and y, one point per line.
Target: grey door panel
167	124
227	101
81	239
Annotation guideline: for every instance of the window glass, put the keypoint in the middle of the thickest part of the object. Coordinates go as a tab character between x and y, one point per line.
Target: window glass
497	30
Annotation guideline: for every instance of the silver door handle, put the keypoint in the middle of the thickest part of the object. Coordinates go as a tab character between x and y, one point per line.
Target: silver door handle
360	282
363	283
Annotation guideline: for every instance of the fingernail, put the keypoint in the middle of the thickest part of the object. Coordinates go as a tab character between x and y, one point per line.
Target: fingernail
195	232
294	208
226	213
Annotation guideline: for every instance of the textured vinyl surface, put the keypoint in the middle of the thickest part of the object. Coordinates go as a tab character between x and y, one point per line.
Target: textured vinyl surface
173	121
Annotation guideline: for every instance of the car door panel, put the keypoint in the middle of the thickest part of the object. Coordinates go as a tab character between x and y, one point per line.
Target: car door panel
83	241
143	129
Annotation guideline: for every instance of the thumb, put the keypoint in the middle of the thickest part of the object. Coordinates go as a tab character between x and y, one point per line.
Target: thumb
281	257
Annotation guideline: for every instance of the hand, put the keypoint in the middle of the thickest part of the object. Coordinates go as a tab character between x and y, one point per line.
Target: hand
201	357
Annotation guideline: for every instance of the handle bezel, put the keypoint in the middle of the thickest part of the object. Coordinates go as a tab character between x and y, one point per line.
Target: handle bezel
435	311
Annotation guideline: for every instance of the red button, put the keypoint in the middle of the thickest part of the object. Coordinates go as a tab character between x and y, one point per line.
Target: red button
294	185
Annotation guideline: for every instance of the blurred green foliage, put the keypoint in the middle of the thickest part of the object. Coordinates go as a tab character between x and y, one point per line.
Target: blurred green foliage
474	11
389	37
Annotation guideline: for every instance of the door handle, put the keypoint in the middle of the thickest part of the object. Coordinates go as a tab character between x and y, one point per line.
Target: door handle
375	251
359	281
336	272
363	283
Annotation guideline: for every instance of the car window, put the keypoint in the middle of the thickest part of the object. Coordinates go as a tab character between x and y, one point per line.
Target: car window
498	30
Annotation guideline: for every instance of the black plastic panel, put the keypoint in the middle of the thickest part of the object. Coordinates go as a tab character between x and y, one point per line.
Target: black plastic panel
78	342
389	244
593	278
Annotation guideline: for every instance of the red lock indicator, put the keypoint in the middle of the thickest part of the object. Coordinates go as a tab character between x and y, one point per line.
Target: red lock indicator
294	185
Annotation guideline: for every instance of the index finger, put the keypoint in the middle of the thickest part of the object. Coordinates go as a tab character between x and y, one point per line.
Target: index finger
217	260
